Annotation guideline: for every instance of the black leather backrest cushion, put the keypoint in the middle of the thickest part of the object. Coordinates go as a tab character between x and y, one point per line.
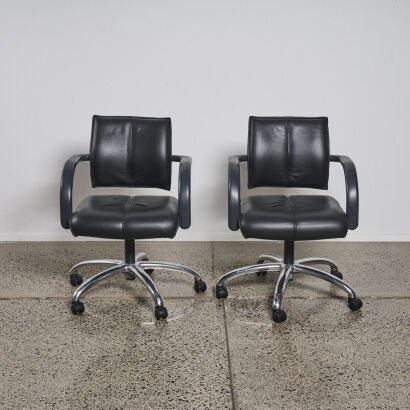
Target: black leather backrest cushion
131	152
288	152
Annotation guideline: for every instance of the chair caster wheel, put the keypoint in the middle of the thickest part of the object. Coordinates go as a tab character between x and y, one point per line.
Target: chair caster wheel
261	273
199	286
355	304
129	276
278	315
77	308
149	271
221	292
76	279
336	273
160	312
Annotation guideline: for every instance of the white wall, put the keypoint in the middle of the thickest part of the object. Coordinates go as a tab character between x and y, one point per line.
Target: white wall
208	65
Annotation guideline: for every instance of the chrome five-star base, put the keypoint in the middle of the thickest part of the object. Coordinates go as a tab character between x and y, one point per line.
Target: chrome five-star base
136	265
287	268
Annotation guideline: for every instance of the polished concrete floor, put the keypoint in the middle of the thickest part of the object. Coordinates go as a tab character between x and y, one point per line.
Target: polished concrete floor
209	353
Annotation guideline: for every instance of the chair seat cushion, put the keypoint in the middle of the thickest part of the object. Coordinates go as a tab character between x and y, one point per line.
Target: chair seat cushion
126	217
292	218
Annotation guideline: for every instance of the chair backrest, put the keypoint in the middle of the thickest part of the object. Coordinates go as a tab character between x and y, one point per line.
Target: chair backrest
131	152
288	152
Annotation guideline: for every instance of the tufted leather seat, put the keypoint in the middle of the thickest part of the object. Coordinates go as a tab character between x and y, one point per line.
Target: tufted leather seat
292	218
126	217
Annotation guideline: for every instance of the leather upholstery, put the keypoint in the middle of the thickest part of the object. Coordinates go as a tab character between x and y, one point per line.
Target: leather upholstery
292	218
128	151
126	217
288	152
131	152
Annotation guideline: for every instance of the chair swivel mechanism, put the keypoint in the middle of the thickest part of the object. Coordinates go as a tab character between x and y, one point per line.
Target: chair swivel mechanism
290	152
128	152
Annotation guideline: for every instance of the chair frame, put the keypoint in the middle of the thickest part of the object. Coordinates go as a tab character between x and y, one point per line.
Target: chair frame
134	265
288	266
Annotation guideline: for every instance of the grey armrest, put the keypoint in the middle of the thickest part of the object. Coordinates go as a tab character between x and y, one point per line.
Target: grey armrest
184	190
352	189
66	188
234	190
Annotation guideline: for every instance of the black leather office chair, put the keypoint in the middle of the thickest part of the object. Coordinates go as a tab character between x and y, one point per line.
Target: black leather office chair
128	152
290	152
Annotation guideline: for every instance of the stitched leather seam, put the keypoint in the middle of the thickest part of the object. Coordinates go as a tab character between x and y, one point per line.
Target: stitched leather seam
288	153
250	160
92	161
327	165
170	163
130	155
292	210
126	207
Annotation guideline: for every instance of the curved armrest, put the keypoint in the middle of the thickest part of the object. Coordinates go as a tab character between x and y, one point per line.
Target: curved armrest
184	190
234	190
66	188
352	190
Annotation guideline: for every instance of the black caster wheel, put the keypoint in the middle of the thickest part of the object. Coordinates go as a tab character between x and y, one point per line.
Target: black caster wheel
149	271
278	315
129	276
199	286
76	279
221	292
262	273
336	273
355	304
160	312
77	308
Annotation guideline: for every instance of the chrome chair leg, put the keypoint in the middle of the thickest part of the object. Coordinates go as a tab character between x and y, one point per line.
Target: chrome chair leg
334	270
169	266
147	281
76	306
279	315
327	277
160	310
95	279
354	302
139	256
268	256
199	284
95	262
76	279
287	271
281	285
140	269
221	291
